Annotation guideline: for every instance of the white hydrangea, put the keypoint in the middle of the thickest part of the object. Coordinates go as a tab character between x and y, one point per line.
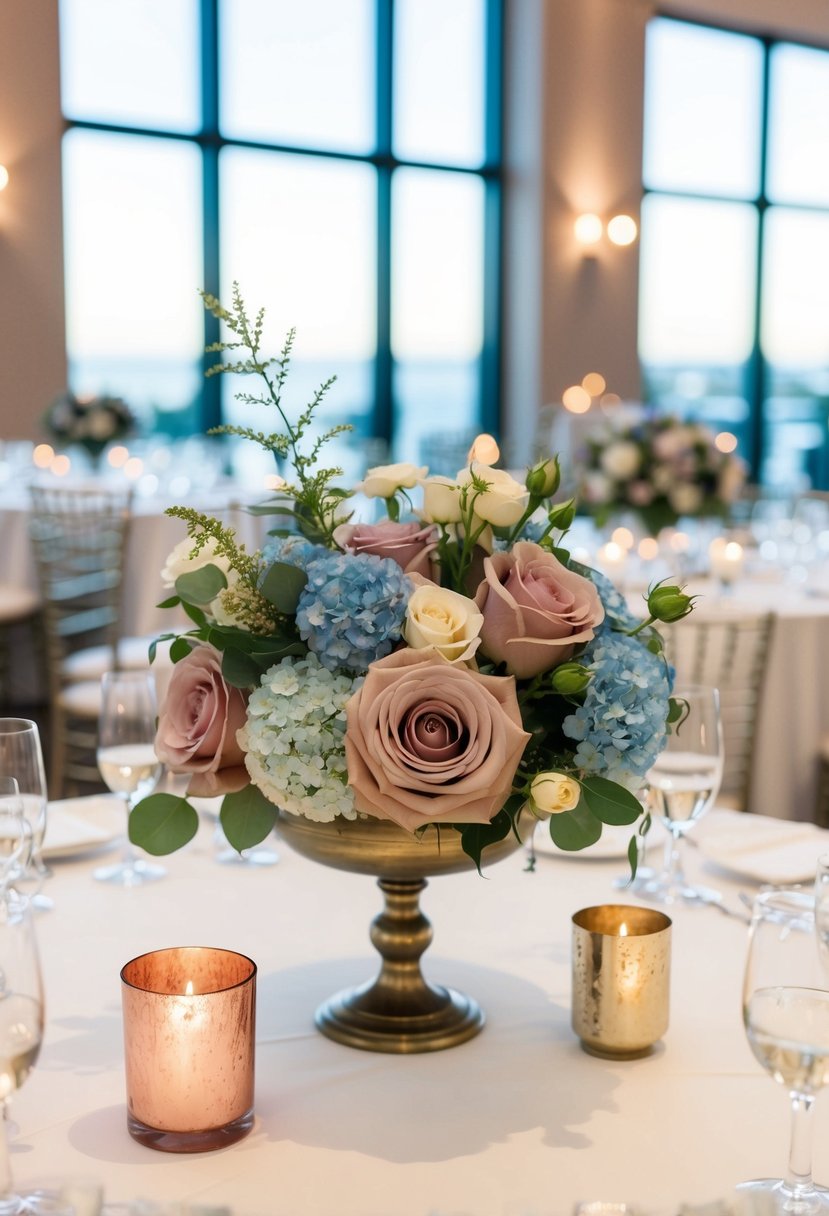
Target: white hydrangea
294	739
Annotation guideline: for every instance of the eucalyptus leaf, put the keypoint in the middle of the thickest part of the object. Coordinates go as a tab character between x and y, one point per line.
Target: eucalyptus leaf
282	586
247	817
476	836
576	829
240	669
610	802
180	649
202	585
195	614
162	823
633	856
172	602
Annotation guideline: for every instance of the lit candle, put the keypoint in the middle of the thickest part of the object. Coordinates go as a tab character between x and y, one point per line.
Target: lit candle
621	978
189	1017
726	560
613	558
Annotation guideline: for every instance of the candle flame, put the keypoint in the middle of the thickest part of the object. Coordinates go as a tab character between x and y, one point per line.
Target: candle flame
188	988
623	930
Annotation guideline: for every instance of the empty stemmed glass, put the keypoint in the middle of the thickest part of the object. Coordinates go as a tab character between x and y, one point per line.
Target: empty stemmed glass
786	1016
15	836
127	760
681	786
21	757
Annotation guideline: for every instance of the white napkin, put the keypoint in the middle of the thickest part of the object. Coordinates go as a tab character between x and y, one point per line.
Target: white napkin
777	851
74	824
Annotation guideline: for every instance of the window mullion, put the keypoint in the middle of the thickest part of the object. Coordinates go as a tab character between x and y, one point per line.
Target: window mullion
211	392
490	386
383	412
757	368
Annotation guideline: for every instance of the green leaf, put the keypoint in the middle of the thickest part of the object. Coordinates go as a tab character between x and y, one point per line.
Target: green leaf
180	649
576	829
247	817
476	836
266	508
195	614
240	669
153	646
282	586
633	856
609	802
172	602
202	585
162	823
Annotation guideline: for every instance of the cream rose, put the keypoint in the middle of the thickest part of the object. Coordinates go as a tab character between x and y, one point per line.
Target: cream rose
551	793
441	500
685	498
440	618
428	741
385	480
180	562
621	460
503	502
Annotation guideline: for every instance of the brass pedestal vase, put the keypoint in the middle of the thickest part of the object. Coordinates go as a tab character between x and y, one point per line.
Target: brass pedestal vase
398	1011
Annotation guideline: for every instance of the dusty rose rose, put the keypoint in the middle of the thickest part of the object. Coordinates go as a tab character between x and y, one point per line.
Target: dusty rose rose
429	742
535	610
410	545
197	725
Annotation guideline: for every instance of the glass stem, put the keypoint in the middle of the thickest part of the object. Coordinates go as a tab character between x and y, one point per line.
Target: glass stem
128	853
674	873
799	1177
5	1160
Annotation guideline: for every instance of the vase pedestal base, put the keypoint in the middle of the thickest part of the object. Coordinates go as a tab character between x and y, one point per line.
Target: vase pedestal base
399	1011
455	1018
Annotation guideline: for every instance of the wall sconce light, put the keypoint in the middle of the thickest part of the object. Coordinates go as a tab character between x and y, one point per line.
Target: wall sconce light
589	230
4	177
622	230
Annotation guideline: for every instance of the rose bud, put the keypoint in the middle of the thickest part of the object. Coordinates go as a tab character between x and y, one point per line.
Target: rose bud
669	603
571	678
543	479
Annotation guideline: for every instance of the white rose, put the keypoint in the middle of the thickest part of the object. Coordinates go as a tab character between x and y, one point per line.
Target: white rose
384	480
180	562
101	425
552	793
223	616
503	502
621	460
441	500
685	499
441	618
662	478
597	488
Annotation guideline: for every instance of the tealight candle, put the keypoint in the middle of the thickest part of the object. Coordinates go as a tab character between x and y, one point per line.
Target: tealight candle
725	559
189	1020
621	961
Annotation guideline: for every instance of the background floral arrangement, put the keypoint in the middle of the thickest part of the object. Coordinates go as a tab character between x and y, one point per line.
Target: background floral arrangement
448	666
661	468
90	422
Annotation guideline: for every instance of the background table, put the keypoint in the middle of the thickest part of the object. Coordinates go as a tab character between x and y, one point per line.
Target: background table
517	1122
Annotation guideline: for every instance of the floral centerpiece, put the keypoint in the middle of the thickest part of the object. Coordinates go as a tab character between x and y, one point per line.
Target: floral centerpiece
89	422
444	666
659	468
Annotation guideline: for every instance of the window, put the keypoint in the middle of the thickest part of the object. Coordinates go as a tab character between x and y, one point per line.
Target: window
339	158
734	308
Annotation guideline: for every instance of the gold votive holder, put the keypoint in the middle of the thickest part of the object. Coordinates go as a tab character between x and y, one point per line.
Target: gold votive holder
621	957
189	1032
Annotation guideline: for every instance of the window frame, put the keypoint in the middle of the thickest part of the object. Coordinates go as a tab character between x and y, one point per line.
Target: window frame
210	141
757	366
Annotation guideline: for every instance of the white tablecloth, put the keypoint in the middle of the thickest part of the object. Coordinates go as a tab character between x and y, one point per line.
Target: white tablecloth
518	1121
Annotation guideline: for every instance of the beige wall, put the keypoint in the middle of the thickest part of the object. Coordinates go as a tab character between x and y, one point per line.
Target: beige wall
580	149
32	342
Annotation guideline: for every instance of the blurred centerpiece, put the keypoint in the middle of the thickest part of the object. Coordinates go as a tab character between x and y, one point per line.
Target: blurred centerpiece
88	422
660	469
406	696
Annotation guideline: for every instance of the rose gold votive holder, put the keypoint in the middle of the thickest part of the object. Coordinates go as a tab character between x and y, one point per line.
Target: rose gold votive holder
189	1024
621	979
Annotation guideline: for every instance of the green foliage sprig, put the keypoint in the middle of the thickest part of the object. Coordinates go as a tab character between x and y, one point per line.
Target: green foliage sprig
317	503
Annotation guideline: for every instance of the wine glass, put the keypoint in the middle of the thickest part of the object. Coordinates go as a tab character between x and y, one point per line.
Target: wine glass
21	1026
786	1016
127	760
21	757
822	909
15	835
682	784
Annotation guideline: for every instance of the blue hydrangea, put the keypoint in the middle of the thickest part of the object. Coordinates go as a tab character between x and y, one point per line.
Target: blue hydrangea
295	550
352	609
617	613
620	728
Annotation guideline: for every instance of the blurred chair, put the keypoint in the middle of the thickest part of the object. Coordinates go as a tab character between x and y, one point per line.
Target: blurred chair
18	606
729	652
79	538
821	816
